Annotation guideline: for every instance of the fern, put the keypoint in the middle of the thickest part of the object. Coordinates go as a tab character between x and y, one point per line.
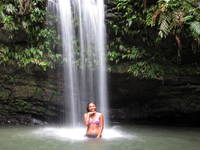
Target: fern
195	27
11	9
165	27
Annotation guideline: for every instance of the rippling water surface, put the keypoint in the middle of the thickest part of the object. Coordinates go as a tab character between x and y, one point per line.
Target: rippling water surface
115	138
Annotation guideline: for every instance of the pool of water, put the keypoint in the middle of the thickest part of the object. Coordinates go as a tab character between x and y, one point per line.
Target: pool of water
115	138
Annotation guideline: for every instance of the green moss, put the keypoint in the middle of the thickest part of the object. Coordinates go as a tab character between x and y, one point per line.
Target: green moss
4	94
24	91
23	104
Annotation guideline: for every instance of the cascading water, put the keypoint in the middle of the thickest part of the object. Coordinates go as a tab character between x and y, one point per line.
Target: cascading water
82	31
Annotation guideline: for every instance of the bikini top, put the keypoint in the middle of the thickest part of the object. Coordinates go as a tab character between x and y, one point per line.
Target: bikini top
96	121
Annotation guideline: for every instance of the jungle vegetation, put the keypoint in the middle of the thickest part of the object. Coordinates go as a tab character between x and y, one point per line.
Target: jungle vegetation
155	38
25	40
146	38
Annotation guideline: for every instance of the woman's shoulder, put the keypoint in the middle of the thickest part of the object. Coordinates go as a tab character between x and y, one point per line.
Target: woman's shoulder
99	114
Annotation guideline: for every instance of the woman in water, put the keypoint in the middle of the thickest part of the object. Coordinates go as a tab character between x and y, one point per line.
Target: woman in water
94	122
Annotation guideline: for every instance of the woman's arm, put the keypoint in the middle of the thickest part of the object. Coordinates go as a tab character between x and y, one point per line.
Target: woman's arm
86	119
101	125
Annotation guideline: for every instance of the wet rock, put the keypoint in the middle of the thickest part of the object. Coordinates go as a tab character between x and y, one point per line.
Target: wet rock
174	100
26	96
38	122
37	98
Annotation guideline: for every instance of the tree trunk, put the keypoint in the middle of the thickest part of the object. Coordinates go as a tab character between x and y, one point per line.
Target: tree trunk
179	43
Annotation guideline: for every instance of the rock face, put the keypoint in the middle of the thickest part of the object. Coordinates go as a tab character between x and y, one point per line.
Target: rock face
30	98
170	101
37	99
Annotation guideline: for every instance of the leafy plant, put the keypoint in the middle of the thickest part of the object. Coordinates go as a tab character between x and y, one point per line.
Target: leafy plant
26	20
154	38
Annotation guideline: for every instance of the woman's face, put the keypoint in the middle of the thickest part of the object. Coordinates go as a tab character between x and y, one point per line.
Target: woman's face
91	107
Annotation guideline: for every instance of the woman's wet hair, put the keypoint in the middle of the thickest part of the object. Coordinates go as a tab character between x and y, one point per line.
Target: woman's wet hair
89	104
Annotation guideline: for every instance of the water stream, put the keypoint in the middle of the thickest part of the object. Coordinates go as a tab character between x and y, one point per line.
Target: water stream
82	31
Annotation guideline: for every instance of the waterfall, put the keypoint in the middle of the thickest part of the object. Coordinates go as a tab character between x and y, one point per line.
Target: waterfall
82	28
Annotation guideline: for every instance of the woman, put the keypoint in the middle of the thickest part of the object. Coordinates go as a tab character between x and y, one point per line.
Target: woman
94	122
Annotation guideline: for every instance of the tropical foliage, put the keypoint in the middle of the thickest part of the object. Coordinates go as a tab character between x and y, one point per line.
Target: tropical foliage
154	38
25	40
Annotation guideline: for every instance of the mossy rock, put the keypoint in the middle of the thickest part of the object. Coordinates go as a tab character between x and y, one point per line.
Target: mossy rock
23	105
24	91
4	94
